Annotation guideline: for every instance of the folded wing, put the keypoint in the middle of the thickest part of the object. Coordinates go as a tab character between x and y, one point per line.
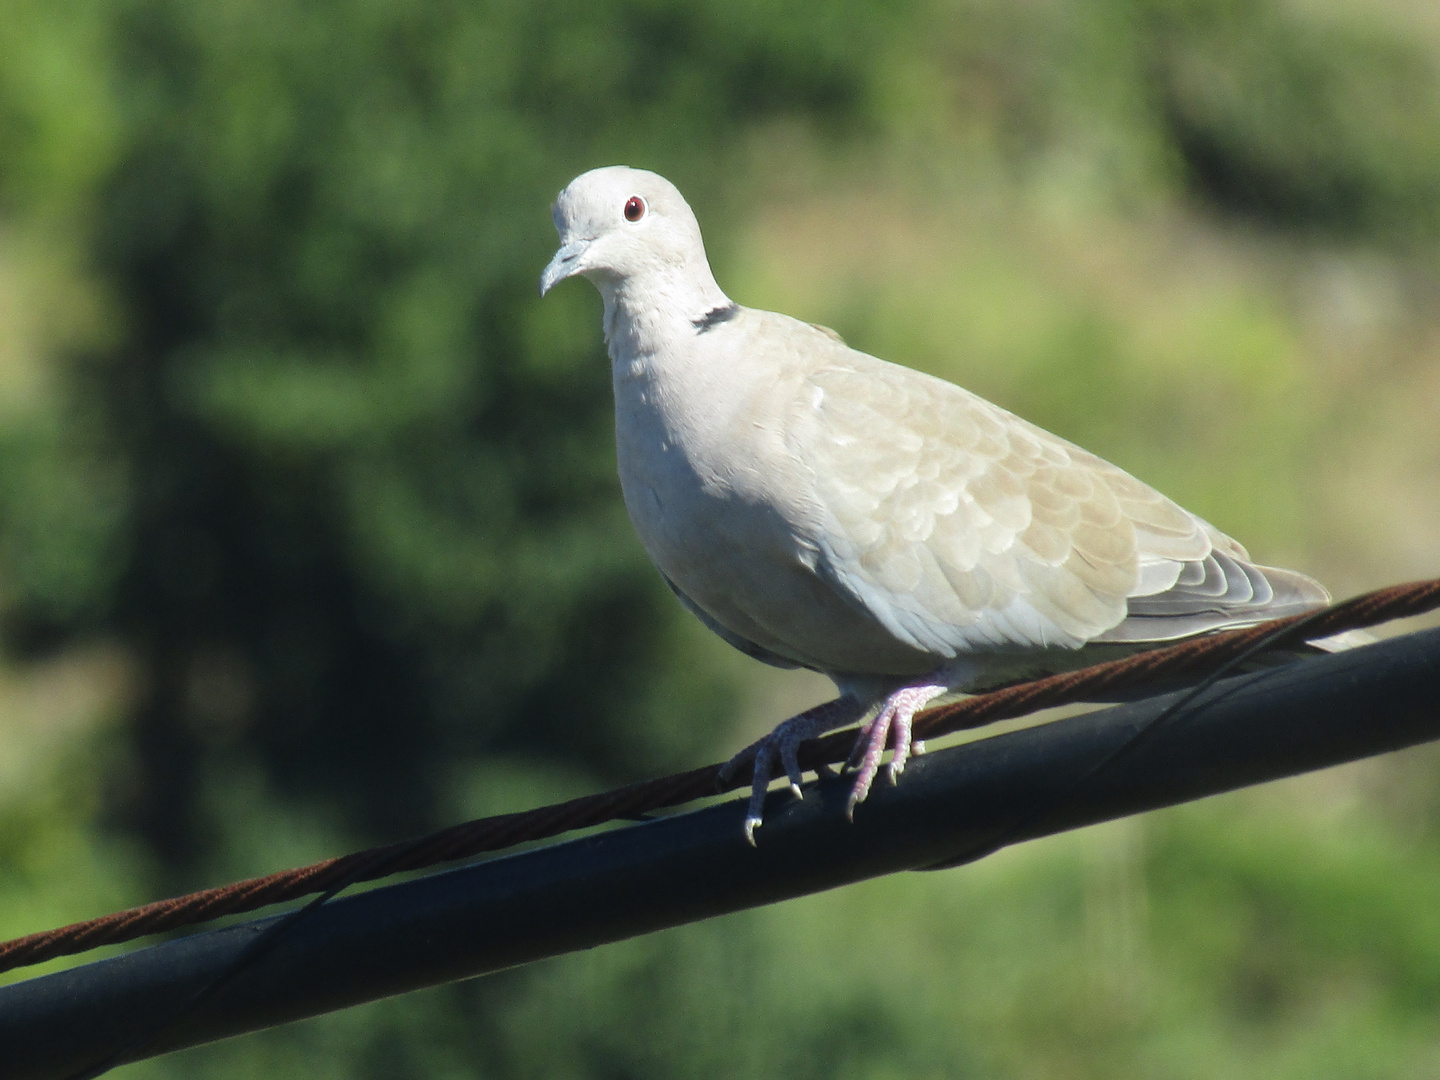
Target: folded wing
961	527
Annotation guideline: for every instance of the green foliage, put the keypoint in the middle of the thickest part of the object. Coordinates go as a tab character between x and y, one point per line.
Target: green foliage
58	124
283	422
1303	121
66	502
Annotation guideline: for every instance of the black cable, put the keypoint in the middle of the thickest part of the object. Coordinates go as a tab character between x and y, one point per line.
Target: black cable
258	949
267	942
1025	822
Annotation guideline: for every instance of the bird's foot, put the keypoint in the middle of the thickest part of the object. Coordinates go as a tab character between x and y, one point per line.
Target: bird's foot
785	741
895	717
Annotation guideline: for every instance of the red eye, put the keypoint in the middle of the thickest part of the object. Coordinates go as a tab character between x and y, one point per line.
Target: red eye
634	208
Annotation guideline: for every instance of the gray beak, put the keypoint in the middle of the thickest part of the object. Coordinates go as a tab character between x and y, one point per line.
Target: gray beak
566	263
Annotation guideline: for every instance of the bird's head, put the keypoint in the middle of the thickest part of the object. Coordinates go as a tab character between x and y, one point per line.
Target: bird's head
618	224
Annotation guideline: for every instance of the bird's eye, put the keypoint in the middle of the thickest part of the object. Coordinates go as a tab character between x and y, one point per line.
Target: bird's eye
634	208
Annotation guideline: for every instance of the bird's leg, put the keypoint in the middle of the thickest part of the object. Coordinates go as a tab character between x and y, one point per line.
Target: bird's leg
785	741
895	715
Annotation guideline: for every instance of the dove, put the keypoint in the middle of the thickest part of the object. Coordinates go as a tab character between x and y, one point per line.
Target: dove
818	507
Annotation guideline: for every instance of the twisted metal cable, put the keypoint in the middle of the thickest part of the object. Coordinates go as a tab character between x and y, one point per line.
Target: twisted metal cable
1192	658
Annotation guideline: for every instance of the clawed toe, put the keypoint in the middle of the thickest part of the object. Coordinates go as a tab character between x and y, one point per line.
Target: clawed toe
892	723
784	742
752	822
894	719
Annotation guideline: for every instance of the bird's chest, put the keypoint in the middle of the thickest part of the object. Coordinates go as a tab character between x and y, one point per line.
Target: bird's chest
698	467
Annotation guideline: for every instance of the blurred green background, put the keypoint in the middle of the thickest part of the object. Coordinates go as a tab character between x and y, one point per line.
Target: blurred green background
310	535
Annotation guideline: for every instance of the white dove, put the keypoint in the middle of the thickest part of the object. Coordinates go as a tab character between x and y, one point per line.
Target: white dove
818	507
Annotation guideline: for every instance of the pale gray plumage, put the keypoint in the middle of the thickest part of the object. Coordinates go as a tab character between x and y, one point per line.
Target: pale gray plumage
818	507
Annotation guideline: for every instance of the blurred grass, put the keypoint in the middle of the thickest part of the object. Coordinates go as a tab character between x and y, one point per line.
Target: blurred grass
309	532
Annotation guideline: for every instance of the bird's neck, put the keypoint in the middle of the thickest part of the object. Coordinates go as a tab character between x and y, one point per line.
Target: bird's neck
647	315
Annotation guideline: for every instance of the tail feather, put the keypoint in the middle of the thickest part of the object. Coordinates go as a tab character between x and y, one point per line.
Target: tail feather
1230	593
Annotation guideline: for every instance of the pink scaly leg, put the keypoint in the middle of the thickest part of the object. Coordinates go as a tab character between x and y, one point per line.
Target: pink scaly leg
896	715
785	740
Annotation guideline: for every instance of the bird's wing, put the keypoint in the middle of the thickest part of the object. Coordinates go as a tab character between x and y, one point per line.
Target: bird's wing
961	527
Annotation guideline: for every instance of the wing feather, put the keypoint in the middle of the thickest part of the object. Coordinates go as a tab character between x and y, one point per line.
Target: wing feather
961	527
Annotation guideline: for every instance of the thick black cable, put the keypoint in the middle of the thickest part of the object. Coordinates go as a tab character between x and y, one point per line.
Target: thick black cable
258	949
617	884
1110	681
275	933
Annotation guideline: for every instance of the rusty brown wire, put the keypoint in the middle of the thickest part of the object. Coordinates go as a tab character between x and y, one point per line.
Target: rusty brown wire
1193	658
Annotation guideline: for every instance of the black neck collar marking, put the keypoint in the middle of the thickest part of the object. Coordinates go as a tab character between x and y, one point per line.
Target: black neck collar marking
714	317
